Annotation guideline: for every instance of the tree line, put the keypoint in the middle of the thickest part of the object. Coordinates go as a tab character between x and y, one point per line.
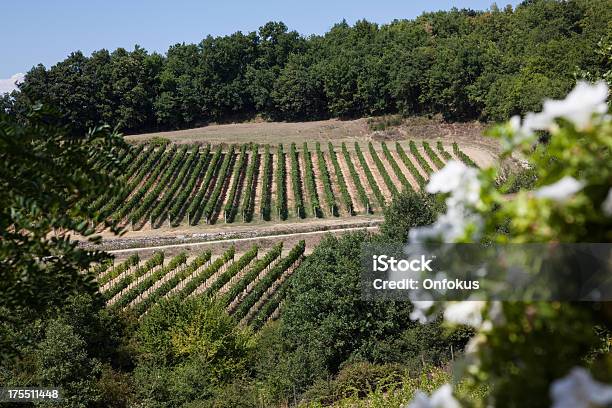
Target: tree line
462	64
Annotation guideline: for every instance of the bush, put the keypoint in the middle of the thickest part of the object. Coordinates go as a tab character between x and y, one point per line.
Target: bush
158	141
355	380
407	210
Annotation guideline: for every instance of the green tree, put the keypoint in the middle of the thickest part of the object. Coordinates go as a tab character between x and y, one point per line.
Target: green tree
407	210
62	361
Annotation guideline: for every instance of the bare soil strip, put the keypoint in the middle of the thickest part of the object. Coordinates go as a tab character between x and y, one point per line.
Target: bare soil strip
269	292
381	155
289	185
482	157
305	191
258	185
335	185
427	158
374	169
414	161
404	169
319	183
350	185
273	181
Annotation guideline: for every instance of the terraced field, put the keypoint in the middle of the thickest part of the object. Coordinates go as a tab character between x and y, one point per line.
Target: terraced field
179	185
251	285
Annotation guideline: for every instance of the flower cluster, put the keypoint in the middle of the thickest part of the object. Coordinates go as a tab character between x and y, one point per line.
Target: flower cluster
463	187
578	108
574	194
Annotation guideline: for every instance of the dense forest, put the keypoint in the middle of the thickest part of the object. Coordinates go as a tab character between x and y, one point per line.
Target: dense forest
462	64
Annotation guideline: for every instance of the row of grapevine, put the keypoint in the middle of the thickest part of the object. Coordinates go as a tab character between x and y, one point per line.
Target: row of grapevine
232	202
102	267
248	202
155	260
366	169
169	183
138	157
296	181
162	183
330	200
311	185
266	184
195	205
136	198
270	306
200	278
281	179
432	155
253	272
411	167
178	182
111	274
175	213
382	170
363	197
138	289
115	206
422	162
446	155
462	156
275	273
162	290
232	270
396	168
213	201
346	197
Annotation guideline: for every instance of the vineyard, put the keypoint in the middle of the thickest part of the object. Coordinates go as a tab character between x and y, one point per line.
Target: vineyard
174	185
250	285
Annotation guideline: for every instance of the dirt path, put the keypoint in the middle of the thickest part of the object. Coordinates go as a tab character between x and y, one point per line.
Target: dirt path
482	157
242	244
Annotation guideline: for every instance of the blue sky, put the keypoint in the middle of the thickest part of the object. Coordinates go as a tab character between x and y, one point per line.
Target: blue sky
43	31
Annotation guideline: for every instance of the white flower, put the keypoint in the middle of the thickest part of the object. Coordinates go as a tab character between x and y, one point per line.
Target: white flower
579	390
580	104
420	308
464	187
441	398
468	312
578	107
458	179
606	206
561	190
449	227
536	121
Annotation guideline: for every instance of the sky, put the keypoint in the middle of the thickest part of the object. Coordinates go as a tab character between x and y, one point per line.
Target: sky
43	31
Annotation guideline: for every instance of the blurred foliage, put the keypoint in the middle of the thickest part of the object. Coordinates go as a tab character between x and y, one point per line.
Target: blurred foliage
48	177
